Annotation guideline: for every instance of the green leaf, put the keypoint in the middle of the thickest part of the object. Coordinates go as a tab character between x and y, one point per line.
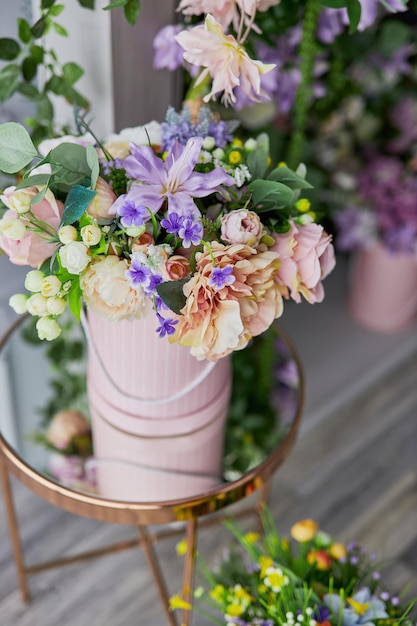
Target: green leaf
87	4
29	90
75	298
171	293
39	27
131	9
268	194
9	81
16	148
24	30
334	4
78	200
93	163
37	53
354	13
56	10
36	179
72	157
47	4
9	49
72	72
287	176
29	69
60	30
257	162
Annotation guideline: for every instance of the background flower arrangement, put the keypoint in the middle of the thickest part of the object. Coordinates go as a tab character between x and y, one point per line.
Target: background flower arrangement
309	578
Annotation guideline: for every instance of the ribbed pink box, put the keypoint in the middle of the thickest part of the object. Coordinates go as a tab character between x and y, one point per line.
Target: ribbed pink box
158	414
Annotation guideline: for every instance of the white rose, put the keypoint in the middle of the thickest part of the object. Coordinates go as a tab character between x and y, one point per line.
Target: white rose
67	234
12	228
20	202
48	328
36	305
209	143
56	306
218	153
34	280
74	257
18	303
51	286
250	144
90	234
140	135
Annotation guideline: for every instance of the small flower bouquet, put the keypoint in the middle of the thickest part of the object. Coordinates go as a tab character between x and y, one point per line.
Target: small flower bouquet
181	220
310	579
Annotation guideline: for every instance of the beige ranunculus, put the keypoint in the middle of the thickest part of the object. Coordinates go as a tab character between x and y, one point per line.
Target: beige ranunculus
108	292
66	425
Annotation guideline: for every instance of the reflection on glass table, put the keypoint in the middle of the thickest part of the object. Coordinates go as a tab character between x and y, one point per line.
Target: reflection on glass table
47	384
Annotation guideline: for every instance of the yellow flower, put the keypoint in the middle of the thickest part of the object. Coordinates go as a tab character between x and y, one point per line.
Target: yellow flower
234	610
176	602
241	594
235	157
217	594
303	205
304	530
358	607
275	579
265	562
337	551
181	547
251	537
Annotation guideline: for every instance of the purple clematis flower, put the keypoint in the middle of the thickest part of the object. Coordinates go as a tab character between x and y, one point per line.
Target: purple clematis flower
168	52
166	326
132	214
173	180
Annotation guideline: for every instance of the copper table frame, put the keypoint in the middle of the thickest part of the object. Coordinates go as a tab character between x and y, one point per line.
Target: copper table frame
188	510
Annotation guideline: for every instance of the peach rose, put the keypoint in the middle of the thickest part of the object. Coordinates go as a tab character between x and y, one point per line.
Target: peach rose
176	267
64	426
241	226
103	201
108	292
31	249
218	320
304	530
307	257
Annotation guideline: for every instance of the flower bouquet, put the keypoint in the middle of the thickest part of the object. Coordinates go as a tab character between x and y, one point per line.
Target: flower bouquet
308	578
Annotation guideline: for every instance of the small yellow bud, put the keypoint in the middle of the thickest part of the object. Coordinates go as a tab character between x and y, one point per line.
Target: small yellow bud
303	205
235	157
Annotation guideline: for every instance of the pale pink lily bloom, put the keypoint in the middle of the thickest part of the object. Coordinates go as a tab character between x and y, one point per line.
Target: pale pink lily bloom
226	12
225	60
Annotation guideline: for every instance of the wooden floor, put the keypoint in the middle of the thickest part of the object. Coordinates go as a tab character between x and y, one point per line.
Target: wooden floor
355	472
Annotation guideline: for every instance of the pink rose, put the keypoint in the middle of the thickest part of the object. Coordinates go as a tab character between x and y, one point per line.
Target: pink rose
307	257
241	226
103	201
218	320
64	426
32	249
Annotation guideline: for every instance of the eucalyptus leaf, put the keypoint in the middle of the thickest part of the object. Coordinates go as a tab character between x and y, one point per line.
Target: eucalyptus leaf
9	81
172	294
16	148
71	156
76	203
93	163
268	194
257	162
36	179
287	176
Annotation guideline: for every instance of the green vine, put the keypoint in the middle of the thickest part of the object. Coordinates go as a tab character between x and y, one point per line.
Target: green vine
308	49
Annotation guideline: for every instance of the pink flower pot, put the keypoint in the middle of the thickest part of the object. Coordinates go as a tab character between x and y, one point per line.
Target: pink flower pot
158	414
382	289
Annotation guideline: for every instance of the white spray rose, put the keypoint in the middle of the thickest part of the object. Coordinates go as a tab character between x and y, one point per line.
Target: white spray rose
51	286
74	257
12	228
90	234
56	306
48	328
36	305
34	280
18	302
67	234
20	202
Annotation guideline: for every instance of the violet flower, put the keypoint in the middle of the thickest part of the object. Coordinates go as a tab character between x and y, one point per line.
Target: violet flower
166	326
168	53
132	214
221	277
172	180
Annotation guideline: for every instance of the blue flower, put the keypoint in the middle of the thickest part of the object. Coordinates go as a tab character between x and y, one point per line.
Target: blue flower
166	326
221	276
361	609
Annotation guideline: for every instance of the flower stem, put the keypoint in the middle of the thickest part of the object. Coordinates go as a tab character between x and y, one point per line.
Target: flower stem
302	99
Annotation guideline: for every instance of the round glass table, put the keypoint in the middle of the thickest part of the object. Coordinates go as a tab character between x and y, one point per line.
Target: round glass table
255	446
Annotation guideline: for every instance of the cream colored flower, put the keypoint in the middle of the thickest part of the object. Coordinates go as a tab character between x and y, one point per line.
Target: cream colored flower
36	305
103	200
48	328
20	202
51	286
74	257
90	234
67	234
18	303
66	425
34	280
108	292
56	306
13	228
304	530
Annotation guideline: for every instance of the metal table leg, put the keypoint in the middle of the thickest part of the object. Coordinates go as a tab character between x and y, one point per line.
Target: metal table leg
189	565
